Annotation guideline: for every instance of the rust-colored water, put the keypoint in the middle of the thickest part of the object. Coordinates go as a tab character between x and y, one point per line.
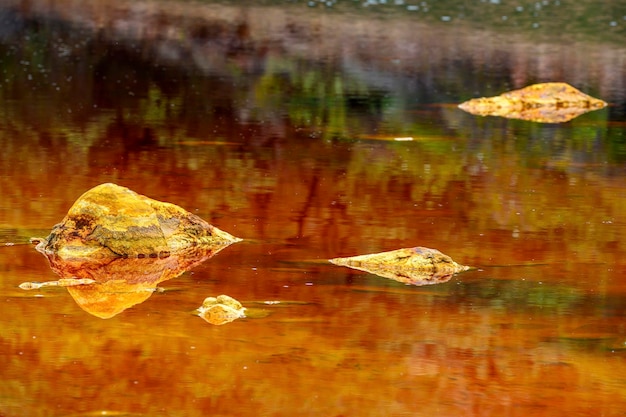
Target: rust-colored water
290	146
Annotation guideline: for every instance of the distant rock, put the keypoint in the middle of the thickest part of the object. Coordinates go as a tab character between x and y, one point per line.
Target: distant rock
544	103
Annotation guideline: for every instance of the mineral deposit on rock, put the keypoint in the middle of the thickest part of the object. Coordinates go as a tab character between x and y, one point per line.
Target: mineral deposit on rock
221	310
545	103
113	221
415	266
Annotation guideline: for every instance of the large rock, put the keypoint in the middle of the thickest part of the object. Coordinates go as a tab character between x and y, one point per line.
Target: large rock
112	221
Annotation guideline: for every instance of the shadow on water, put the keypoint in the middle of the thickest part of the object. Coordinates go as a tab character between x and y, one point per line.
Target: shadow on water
314	131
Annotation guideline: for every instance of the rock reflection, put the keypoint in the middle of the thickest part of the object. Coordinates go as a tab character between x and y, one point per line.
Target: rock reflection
120	283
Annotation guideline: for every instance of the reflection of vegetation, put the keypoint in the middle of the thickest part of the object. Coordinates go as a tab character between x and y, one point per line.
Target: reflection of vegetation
136	119
318	98
245	143
505	296
523	295
118	86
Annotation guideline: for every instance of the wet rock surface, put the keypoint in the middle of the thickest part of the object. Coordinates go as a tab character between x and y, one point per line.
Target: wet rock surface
221	310
113	221
415	266
543	103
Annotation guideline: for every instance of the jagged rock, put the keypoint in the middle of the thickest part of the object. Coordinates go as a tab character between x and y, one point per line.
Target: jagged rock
415	266
113	221
545	103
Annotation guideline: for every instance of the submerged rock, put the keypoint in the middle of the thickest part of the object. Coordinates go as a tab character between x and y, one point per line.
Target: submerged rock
63	282
415	266
545	103
221	310
113	221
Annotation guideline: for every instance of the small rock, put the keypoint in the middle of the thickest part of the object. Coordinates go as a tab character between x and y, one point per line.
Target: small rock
221	310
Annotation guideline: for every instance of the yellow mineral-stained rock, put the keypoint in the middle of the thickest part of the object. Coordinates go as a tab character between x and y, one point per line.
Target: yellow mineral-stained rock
114	247
545	103
221	310
113	221
415	266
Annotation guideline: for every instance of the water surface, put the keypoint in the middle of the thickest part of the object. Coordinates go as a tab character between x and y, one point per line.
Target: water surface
271	126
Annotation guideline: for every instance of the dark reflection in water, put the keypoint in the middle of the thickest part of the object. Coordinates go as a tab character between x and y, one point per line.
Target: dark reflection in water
279	123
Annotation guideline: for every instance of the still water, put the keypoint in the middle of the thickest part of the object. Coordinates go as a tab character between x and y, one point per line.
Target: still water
277	122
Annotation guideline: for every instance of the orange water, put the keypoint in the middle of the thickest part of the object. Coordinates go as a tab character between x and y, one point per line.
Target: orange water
536	329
